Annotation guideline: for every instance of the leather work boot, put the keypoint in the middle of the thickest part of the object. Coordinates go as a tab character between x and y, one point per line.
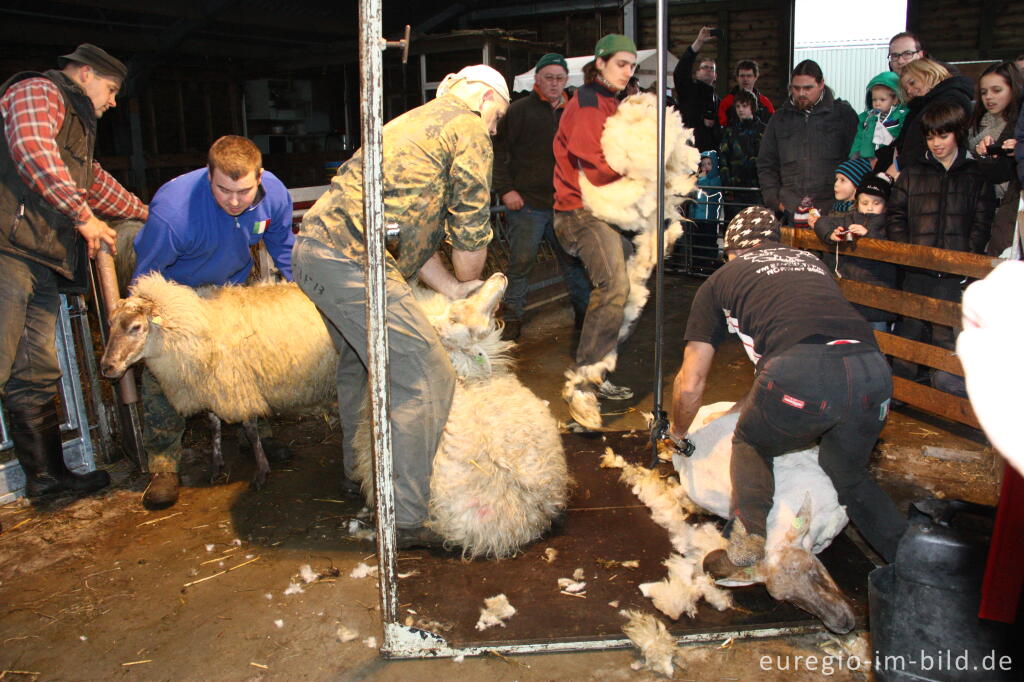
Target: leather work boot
39	449
162	491
419	537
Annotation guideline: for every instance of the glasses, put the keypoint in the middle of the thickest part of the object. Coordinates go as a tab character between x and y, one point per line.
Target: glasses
901	56
549	78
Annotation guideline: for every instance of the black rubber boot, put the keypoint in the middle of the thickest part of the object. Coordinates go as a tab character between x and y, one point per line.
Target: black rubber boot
38	447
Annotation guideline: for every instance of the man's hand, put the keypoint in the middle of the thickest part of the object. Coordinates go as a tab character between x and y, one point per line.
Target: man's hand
513	200
702	37
464	289
95	232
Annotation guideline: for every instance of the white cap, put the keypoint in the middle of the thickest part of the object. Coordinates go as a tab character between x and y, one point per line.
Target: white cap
478	73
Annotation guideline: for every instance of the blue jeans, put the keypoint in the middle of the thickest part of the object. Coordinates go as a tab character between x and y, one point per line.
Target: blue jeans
29	303
526	228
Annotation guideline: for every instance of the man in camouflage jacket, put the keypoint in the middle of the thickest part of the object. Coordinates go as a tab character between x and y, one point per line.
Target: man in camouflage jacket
437	181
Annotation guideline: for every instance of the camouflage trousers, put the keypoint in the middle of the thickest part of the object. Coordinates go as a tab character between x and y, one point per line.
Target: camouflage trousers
163	427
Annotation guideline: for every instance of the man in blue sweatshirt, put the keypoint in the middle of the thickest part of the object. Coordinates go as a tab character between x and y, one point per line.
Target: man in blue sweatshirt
201	226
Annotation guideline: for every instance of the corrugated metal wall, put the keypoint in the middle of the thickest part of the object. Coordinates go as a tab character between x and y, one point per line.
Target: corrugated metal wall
847	69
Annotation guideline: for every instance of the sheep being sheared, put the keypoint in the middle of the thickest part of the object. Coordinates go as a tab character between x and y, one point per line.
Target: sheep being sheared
499	473
229	350
804	519
630	144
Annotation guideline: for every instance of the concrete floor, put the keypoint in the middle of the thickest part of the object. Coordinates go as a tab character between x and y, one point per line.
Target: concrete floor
97	588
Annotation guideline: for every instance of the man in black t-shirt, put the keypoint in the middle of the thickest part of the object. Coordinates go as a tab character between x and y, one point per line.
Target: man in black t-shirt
820	375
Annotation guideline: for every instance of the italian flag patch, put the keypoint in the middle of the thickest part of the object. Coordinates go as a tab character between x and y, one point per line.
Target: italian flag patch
260	226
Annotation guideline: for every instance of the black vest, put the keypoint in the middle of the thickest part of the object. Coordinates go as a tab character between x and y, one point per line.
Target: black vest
30	227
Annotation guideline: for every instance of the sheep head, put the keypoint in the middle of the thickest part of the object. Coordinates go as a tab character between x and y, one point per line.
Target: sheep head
468	329
794	574
130	327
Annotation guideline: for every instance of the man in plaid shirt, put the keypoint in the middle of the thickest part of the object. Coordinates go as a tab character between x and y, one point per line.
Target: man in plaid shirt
51	191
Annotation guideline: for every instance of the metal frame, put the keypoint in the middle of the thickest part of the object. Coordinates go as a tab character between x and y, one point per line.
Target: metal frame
401	641
78	451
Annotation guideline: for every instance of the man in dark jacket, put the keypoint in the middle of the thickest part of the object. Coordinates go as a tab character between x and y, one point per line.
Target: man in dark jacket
51	191
695	93
805	140
524	165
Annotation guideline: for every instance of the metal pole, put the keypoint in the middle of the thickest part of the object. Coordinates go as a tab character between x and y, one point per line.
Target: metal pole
370	101
660	418
109	294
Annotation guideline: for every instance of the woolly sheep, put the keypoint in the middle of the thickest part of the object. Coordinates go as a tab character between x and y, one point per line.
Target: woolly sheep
499	474
229	350
630	145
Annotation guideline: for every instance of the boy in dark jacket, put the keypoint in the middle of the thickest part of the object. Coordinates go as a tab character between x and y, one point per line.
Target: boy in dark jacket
867	219
737	156
946	202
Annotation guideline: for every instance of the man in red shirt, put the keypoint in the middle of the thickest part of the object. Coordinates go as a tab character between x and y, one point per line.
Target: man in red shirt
51	191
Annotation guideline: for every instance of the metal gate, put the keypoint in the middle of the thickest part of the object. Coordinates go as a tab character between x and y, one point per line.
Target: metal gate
78	448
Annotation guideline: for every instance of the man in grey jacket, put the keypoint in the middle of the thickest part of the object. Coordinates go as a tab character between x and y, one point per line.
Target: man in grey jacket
806	139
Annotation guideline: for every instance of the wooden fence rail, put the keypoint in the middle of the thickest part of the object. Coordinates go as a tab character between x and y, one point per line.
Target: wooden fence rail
933	310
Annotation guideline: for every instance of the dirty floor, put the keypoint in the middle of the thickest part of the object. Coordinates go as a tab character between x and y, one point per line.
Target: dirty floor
101	589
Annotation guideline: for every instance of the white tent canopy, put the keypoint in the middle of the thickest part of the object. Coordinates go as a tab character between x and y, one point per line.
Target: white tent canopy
646	71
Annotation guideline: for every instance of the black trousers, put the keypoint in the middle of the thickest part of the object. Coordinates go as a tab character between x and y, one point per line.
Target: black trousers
810	392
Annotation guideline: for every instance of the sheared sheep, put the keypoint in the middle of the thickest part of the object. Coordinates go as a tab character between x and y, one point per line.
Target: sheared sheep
805	516
229	350
499	474
630	144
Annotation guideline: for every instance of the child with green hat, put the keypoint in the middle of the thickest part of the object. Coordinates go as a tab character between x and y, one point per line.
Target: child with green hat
881	122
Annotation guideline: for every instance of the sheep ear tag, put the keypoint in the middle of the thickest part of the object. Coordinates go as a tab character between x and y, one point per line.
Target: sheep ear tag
157	320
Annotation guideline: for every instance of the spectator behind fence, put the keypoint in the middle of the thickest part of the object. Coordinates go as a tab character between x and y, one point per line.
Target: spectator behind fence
524	165
867	219
805	140
945	202
882	120
741	140
695	92
922	82
746	78
991	138
706	211
904	48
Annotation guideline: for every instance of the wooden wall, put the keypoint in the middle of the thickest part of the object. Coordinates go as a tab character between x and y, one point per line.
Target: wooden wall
967	30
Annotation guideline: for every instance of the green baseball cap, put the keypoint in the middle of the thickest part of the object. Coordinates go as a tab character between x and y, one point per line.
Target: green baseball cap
612	43
549	59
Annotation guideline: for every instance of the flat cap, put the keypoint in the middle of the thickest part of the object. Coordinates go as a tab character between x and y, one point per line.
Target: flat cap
99	59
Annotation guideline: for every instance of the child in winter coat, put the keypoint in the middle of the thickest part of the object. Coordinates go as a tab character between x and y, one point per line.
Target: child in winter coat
867	219
740	142
945	202
880	124
707	213
848	177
